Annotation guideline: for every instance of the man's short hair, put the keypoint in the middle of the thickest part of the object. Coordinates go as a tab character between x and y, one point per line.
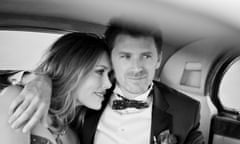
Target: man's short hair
133	30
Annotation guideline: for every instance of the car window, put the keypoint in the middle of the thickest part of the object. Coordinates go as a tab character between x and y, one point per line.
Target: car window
229	87
23	49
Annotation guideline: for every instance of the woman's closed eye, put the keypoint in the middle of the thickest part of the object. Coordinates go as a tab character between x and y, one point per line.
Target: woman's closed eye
100	71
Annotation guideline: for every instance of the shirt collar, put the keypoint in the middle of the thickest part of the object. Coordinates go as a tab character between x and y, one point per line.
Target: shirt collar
142	97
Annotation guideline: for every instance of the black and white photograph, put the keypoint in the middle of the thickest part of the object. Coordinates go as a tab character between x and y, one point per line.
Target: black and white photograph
119	72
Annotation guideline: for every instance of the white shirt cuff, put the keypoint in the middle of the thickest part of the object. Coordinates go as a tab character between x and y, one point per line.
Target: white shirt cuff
16	78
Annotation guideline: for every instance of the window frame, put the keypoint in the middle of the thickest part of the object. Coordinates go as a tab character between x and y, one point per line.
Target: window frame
218	69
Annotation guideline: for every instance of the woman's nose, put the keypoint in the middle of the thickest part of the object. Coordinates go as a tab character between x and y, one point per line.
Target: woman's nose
106	82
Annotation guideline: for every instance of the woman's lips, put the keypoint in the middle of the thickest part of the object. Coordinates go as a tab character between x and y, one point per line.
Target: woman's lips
100	94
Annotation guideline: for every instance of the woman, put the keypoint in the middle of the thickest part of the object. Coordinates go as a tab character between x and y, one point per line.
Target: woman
79	65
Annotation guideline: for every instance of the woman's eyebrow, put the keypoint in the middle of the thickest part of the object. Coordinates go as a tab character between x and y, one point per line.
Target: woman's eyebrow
103	66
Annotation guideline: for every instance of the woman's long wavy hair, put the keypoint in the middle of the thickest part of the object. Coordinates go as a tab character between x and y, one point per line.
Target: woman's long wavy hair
67	61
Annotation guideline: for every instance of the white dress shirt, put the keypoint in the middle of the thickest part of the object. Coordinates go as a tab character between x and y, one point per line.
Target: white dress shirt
128	126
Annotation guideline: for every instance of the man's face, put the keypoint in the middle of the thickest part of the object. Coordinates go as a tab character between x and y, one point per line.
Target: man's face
134	62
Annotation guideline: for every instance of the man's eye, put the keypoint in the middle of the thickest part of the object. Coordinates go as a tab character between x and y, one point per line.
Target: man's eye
125	56
147	56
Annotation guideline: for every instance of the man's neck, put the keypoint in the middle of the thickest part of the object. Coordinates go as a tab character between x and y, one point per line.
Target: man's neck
129	95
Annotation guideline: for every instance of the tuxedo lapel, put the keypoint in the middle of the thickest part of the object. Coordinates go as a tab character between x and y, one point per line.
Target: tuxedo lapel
89	128
161	120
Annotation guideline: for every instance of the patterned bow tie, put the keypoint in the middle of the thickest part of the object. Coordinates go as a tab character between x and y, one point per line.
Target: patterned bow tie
126	103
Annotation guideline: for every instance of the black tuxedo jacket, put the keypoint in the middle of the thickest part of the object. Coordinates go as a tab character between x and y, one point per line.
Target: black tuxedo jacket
172	111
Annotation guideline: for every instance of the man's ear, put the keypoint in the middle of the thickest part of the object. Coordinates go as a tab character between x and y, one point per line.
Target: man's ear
159	61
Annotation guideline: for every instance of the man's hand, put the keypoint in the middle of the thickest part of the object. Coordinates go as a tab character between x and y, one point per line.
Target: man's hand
32	104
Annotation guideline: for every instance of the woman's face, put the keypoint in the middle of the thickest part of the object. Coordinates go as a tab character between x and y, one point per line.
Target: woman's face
91	89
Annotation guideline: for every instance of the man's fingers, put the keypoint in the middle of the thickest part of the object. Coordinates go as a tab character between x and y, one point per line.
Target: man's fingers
20	109
27	114
17	101
27	97
34	119
32	103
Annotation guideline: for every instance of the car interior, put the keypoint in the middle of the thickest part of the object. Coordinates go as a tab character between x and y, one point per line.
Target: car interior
201	49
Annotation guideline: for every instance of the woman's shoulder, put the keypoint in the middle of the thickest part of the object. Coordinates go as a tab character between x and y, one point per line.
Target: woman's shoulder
7	134
7	95
10	92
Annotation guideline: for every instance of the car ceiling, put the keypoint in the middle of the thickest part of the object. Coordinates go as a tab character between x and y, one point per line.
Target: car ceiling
180	21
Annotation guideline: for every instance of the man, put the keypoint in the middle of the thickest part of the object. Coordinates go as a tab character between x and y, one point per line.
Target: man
136	54
139	110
